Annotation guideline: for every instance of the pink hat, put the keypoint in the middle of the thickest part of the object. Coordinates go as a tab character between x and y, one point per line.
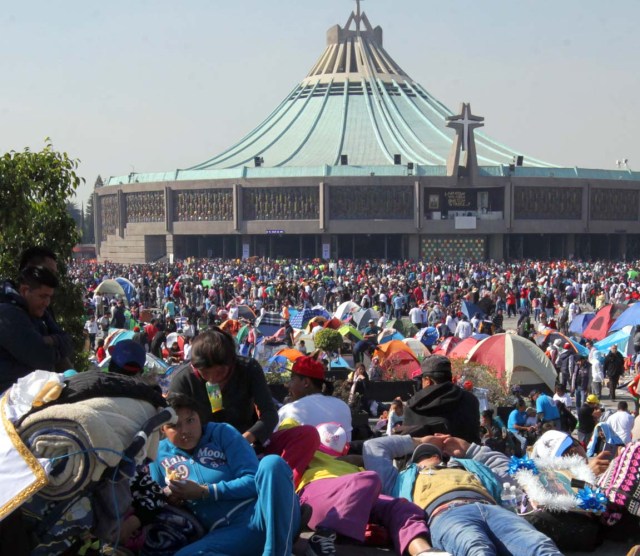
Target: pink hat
333	439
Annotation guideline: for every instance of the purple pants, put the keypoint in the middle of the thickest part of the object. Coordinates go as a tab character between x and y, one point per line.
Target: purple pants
346	504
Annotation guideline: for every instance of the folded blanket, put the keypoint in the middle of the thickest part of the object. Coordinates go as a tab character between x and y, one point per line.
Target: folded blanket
82	439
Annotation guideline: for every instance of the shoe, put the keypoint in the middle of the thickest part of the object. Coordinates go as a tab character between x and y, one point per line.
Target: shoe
305	517
322	543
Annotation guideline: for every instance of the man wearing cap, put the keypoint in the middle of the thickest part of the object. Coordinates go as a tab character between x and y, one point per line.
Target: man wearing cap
371	332
546	409
460	497
442	406
588	415
309	405
128	357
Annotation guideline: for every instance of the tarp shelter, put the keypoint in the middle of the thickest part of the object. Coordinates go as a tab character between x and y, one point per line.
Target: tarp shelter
631	316
269	323
129	289
580	322
346	309
516	360
621	338
471	310
599	326
447	345
461	350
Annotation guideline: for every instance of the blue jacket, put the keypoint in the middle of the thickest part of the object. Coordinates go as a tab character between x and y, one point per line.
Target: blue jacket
224	459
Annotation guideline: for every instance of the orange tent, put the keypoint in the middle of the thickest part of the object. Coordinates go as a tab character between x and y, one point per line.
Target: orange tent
394	346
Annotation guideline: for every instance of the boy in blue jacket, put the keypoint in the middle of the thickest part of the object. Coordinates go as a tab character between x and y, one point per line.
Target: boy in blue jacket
248	507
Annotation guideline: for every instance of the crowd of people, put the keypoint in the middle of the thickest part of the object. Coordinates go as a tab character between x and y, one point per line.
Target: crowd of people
253	473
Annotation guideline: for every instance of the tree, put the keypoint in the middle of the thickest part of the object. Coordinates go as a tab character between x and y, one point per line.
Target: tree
35	189
88	231
329	341
75	213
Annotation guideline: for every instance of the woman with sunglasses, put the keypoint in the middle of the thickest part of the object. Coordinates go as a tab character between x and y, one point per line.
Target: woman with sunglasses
228	388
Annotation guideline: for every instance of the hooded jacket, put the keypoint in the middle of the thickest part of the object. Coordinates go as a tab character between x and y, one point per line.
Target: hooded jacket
445	408
222	458
23	348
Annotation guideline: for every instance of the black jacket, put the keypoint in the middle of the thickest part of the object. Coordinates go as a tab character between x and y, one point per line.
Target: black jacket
23	348
614	365
247	389
445	408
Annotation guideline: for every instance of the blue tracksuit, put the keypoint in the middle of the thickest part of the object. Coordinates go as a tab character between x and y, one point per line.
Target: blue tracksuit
254	509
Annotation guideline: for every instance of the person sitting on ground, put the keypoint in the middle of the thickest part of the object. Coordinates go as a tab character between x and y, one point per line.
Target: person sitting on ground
228	388
375	371
460	496
442	406
311	399
517	424
548	413
396	415
214	472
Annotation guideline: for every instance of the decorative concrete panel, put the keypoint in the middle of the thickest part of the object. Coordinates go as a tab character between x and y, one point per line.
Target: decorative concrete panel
547	203
371	202
144	207
203	205
108	215
614	204
281	203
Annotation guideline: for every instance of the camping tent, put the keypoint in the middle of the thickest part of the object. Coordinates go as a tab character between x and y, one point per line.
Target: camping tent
580	322
362	317
599	326
471	310
389	334
301	318
344	310
631	316
400	365
447	345
269	323
418	348
461	350
128	287
515	359
620	338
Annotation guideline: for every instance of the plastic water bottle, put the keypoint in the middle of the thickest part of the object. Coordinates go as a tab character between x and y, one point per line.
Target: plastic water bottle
508	498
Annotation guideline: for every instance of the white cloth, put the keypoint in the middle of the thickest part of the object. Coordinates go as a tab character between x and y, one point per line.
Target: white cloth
317	409
566	399
415	315
621	423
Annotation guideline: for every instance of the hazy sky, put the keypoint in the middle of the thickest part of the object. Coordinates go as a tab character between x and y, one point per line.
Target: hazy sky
152	86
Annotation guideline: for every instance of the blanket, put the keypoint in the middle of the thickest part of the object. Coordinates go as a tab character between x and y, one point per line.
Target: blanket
81	440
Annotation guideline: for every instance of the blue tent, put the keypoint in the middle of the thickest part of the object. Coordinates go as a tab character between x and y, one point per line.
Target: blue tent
630	316
471	309
428	336
301	318
620	338
128	287
580	322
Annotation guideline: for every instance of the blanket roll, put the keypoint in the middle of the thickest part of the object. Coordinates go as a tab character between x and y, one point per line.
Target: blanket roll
79	441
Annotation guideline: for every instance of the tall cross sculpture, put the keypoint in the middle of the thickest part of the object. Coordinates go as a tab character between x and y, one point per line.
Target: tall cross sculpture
464	124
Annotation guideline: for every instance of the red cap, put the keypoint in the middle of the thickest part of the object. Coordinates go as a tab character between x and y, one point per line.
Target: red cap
567	346
308	366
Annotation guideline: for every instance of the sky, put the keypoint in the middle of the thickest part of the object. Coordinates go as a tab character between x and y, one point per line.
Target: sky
152	86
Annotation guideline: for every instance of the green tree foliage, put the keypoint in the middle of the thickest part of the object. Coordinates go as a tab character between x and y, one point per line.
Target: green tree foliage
35	188
328	340
88	230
